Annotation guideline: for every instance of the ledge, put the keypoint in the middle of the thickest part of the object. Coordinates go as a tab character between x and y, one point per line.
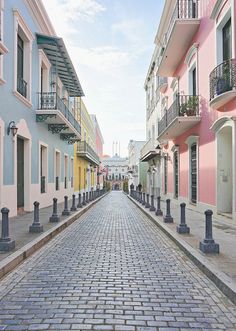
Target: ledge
23	99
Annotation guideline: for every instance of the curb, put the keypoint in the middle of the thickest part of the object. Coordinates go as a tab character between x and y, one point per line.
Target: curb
220	279
13	260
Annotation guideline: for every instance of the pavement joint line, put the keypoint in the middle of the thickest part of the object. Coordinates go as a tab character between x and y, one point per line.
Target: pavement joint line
12	261
220	279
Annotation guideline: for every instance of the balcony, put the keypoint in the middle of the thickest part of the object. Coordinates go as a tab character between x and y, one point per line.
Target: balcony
149	151
180	117
223	84
53	111
182	27
162	84
86	152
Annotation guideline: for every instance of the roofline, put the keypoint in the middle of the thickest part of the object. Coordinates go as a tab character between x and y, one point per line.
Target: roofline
40	15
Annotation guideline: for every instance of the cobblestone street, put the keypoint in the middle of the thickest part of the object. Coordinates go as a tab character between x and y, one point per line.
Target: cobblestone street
112	270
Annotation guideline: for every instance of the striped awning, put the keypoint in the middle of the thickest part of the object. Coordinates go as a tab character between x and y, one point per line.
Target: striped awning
57	54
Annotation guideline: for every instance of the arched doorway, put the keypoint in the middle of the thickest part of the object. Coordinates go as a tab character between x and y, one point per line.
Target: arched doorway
225	170
116	187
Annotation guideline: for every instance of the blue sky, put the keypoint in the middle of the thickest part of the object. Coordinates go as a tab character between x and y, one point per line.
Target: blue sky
111	44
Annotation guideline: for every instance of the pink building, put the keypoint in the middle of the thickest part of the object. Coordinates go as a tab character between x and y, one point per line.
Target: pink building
99	150
193	80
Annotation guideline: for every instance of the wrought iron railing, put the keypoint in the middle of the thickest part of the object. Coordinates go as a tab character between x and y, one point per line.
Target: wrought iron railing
22	86
43	184
223	78
57	183
83	147
51	101
184	105
184	9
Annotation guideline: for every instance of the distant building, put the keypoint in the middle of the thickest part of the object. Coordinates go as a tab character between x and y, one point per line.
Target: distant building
116	171
134	149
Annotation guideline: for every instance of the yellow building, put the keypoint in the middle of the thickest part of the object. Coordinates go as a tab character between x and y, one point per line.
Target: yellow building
86	161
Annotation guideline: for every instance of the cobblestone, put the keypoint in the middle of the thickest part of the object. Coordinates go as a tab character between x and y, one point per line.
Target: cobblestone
112	270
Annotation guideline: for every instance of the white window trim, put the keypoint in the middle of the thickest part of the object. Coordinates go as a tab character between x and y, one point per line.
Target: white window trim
19	21
218	33
44	60
41	143
193	139
3	48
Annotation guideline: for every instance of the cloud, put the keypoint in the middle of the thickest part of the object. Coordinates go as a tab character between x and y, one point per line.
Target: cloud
129	28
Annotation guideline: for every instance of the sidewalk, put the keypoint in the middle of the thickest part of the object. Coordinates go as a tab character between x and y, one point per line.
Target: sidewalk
221	268
27	243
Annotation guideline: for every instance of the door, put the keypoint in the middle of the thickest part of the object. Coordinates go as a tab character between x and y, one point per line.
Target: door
176	174
193	166
20	173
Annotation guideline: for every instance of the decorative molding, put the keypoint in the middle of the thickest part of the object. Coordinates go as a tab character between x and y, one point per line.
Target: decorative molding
217	125
175	148
57	128
216	9
44	117
191	52
23	99
192	139
20	21
174	82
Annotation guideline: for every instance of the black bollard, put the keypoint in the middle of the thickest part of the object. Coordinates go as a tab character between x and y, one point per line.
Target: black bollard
66	211
140	197
144	202
54	217
87	197
208	244
73	207
147	202
84	200
79	205
168	218
90	196
152	208
159	211
36	227
182	228
6	244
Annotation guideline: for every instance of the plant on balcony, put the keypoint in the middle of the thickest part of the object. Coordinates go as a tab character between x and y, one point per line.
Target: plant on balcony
190	107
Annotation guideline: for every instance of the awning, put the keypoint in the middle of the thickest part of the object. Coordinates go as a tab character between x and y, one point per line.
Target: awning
57	54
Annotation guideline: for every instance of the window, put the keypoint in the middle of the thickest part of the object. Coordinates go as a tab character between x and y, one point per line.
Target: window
66	171
227	41
165	173
176	174
57	170
23	61
193	80
44	69
193	172
43	168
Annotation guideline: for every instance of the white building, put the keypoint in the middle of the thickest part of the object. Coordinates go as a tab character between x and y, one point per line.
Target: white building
117	171
134	149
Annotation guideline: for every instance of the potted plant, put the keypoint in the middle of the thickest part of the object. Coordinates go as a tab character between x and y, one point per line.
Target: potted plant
190	107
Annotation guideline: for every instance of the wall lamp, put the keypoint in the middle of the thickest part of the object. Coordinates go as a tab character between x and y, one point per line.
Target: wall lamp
12	128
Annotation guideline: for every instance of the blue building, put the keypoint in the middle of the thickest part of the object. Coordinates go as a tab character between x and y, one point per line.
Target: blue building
38	108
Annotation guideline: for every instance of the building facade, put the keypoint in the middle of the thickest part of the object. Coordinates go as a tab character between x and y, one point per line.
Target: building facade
87	161
38	127
99	149
134	172
116	170
195	56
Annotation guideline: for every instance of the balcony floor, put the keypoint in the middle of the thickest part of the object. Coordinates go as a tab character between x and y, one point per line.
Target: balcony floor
222	99
177	45
179	126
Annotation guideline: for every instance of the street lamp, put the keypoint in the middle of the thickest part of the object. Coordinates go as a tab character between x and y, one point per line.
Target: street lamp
12	128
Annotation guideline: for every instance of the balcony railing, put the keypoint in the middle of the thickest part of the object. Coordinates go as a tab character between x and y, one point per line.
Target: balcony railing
51	101
84	149
223	78
43	184
184	9
183	106
22	86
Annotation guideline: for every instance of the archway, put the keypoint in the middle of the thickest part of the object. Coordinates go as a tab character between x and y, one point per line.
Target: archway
225	170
